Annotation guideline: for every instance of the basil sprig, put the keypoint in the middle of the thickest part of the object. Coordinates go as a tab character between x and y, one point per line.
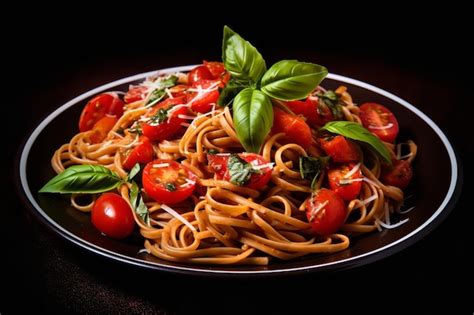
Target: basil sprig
251	86
253	118
85	179
357	132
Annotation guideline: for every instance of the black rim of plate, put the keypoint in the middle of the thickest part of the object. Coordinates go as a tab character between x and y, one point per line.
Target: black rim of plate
391	248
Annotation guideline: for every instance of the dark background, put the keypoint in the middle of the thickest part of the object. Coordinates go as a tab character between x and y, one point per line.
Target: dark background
422	57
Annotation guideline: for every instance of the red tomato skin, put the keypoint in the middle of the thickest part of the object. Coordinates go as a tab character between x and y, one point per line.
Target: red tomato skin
304	108
199	73
295	129
142	153
340	149
374	116
349	191
204	103
219	165
332	217
157	190
112	215
216	68
136	93
398	175
167	129
98	107
101	128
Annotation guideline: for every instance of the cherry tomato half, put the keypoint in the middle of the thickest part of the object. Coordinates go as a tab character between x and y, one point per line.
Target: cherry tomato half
168	181
295	129
380	121
257	180
202	102
323	112
199	73
399	174
326	212
98	107
338	175
136	93
112	215
166	129
142	153
340	149
216	68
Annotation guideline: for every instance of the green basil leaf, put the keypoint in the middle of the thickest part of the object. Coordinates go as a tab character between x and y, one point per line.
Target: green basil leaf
141	210
311	167
253	118
133	172
159	93
232	88
240	170
84	179
134	191
240	58
160	116
290	80
357	132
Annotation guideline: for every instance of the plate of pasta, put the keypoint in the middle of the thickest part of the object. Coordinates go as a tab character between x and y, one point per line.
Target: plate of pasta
233	167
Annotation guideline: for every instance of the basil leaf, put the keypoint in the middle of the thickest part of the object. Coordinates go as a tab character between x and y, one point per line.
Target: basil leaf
240	170
311	167
357	132
160	116
133	172
232	88
141	210
240	58
253	118
290	80
84	179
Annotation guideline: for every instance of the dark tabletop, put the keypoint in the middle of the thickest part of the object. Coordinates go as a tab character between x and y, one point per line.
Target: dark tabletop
48	273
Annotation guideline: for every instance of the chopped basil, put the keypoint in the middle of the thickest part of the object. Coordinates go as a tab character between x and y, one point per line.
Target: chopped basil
331	100
159	117
136	129
133	172
160	91
170	187
212	151
311	167
240	170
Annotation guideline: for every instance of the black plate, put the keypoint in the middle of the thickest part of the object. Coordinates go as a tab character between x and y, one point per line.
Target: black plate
433	200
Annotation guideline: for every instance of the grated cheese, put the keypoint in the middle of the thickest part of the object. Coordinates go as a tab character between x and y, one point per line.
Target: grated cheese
161	165
178	216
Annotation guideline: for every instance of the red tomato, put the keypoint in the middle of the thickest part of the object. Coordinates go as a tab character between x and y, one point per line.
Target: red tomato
112	215
340	149
326	212
337	175
168	181
323	112
199	73
219	164
142	153
102	128
216	68
380	121
202	102
98	107
136	93
305	108
295	129
166	129
399	175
